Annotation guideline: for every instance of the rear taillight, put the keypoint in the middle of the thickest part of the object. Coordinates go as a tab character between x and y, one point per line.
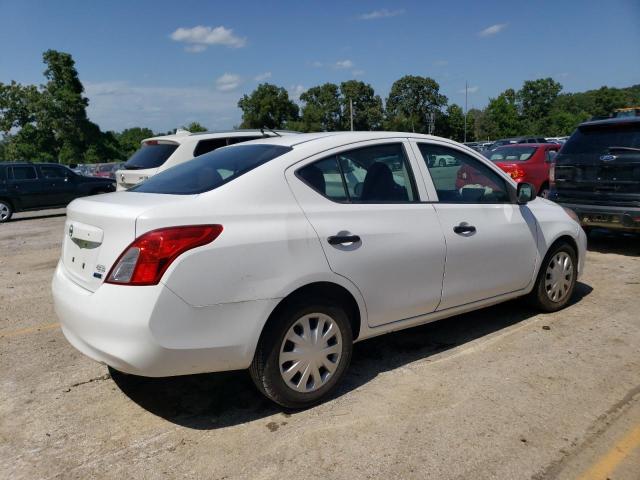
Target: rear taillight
516	173
148	257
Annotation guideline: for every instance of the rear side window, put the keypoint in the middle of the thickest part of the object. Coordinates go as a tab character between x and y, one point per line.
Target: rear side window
206	146
598	139
377	174
24	173
53	172
209	171
151	155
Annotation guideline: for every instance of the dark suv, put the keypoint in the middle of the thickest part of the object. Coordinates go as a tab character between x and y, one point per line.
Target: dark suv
35	186
597	174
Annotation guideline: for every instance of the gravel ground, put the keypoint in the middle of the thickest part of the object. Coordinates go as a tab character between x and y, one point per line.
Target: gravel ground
502	393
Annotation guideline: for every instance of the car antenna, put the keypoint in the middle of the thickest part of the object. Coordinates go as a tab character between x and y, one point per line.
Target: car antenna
271	130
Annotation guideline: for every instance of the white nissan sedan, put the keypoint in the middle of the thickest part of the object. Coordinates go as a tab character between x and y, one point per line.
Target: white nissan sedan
278	254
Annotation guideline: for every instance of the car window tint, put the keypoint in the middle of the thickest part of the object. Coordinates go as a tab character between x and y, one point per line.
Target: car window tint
24	173
53	172
3	173
376	174
511	154
468	181
209	171
151	155
598	138
206	146
325	178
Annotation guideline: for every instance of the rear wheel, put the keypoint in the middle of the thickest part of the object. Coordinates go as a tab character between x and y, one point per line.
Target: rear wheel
6	211
556	279
544	191
304	353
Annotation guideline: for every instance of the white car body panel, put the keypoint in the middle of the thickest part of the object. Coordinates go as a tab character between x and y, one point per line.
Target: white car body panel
212	304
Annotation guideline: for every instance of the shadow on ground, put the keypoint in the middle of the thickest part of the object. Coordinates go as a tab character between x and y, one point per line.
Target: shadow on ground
608	241
216	400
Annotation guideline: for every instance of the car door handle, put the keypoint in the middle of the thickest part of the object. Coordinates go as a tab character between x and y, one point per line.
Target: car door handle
464	228
340	239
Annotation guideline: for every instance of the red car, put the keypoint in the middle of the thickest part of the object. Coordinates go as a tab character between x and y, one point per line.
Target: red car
526	162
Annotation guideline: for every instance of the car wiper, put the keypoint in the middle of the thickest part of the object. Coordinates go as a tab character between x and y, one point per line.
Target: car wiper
271	130
624	149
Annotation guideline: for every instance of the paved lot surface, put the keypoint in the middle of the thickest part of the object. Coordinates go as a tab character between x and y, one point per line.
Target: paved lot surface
502	393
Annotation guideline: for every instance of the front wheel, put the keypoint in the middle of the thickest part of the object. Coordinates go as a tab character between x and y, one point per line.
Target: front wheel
556	279
6	211
303	354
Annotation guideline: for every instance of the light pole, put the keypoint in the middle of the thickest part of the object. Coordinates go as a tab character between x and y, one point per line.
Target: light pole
466	91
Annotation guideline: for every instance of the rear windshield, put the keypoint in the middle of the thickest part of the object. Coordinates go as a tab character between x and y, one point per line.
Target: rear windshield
511	154
210	170
150	156
598	139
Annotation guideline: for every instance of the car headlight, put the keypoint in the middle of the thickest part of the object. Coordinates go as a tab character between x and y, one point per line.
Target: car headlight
572	214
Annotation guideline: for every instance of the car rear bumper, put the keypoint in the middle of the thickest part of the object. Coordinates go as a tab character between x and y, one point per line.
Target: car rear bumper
606	216
150	331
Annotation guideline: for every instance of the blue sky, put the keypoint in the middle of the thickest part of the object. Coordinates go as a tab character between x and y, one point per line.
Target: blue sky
162	64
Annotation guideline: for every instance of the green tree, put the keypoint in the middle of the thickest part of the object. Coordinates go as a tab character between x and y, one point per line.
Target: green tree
129	140
195	127
606	100
367	106
452	125
321	111
411	100
501	116
536	98
267	106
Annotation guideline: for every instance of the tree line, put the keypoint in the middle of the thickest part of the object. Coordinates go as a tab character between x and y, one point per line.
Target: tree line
49	122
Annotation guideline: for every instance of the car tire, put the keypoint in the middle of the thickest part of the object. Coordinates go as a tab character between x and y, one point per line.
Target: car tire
556	280
303	378
6	211
544	192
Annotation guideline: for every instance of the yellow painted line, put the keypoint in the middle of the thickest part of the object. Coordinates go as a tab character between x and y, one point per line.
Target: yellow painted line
25	331
607	464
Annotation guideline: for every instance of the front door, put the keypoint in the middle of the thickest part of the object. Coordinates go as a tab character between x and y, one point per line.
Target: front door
491	241
363	203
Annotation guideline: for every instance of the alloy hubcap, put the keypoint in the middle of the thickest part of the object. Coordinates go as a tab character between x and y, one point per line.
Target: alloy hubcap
559	276
4	211
310	352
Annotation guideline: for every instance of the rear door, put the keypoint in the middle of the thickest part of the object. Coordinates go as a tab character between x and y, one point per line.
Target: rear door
364	204
26	187
491	241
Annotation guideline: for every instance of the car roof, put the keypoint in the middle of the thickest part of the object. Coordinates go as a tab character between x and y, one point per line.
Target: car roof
610	121
532	144
182	135
31	164
343	137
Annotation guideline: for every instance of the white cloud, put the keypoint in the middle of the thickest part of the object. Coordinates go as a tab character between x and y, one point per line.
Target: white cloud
357	73
493	30
440	63
228	82
383	13
317	64
470	90
295	91
262	76
119	105
199	37
343	64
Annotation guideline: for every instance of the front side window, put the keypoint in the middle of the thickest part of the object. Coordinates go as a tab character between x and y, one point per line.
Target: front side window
376	174
466	181
211	170
24	173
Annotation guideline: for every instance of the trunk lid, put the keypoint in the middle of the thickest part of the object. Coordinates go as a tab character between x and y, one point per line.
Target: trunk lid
98	229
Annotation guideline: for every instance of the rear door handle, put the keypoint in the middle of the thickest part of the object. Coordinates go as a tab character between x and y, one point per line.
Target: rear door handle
340	239
464	227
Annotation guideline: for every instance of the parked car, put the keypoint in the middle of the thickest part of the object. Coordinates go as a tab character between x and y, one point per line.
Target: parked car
527	162
157	154
36	186
597	174
514	140
105	170
276	255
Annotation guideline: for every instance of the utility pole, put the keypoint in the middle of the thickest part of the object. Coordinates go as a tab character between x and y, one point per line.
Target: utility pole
351	112
466	91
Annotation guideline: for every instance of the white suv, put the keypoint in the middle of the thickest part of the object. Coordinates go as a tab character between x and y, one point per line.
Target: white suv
160	153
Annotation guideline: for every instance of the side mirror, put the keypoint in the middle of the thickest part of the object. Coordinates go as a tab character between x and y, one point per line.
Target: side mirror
526	193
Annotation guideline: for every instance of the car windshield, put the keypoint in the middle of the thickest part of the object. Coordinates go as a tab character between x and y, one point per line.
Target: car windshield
599	138
511	154
209	171
151	155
